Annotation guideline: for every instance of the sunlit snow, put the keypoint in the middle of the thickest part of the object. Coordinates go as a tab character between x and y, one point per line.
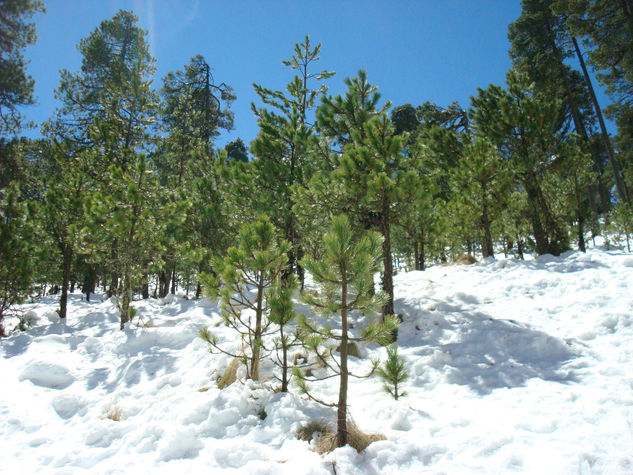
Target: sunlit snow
516	366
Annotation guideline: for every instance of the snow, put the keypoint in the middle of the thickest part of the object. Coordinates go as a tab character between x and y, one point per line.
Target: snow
516	366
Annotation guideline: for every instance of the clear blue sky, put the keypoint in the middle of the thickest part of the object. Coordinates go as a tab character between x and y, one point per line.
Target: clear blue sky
415	51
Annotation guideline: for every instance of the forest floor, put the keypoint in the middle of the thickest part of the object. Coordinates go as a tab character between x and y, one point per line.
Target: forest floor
516	366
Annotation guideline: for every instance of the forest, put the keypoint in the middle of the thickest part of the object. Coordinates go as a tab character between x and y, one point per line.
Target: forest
127	194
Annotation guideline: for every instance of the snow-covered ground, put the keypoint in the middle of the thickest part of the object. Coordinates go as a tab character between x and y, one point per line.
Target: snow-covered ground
516	366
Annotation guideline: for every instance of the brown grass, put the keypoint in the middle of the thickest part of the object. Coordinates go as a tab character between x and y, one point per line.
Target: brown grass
307	431
115	413
230	374
326	441
465	259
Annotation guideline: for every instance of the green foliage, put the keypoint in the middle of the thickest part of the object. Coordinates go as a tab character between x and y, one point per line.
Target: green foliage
345	278
246	278
525	125
16	263
393	373
283	149
16	87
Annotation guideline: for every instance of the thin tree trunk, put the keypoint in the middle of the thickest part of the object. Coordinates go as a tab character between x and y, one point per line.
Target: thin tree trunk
284	360
486	246
173	280
126	299
66	267
257	337
341	413
617	173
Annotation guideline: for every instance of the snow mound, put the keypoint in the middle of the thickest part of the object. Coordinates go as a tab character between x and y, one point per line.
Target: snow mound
48	374
515	366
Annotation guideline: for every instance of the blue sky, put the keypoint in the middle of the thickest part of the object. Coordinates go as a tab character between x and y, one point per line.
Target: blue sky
415	51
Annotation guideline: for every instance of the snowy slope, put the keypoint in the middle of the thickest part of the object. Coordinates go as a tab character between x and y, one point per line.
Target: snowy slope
516	366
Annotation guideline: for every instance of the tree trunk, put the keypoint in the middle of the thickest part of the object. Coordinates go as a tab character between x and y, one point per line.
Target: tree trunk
164	281
145	290
341	413
67	258
617	173
114	285
540	236
284	360
486	246
90	281
387	278
257	337
173	280
126	298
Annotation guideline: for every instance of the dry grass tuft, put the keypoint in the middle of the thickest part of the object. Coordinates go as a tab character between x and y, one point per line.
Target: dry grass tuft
230	374
307	431
326	440
465	259
115	413
203	389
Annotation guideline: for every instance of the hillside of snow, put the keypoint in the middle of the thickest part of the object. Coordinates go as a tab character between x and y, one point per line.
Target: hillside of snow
516	366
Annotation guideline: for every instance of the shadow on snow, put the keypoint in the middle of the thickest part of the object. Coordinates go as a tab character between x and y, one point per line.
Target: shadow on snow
481	352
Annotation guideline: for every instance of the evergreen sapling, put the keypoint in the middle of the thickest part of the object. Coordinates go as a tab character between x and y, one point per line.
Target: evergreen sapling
393	373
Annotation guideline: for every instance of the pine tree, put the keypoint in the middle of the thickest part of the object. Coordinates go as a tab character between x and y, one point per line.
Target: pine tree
194	109
345	276
66	189
131	216
481	184
282	148
526	127
541	41
247	276
16	252
16	87
282	314
366	179
607	28
107	108
393	373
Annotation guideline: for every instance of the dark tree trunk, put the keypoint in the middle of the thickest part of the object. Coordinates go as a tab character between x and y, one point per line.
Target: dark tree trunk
387	278
617	172
67	259
284	360
126	299
300	270
145	289
114	285
90	282
198	290
581	233
469	246
540	236
164	281
486	246
173	280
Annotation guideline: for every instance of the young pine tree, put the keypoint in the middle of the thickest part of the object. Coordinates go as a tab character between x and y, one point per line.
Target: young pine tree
393	373
246	275
282	313
345	276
